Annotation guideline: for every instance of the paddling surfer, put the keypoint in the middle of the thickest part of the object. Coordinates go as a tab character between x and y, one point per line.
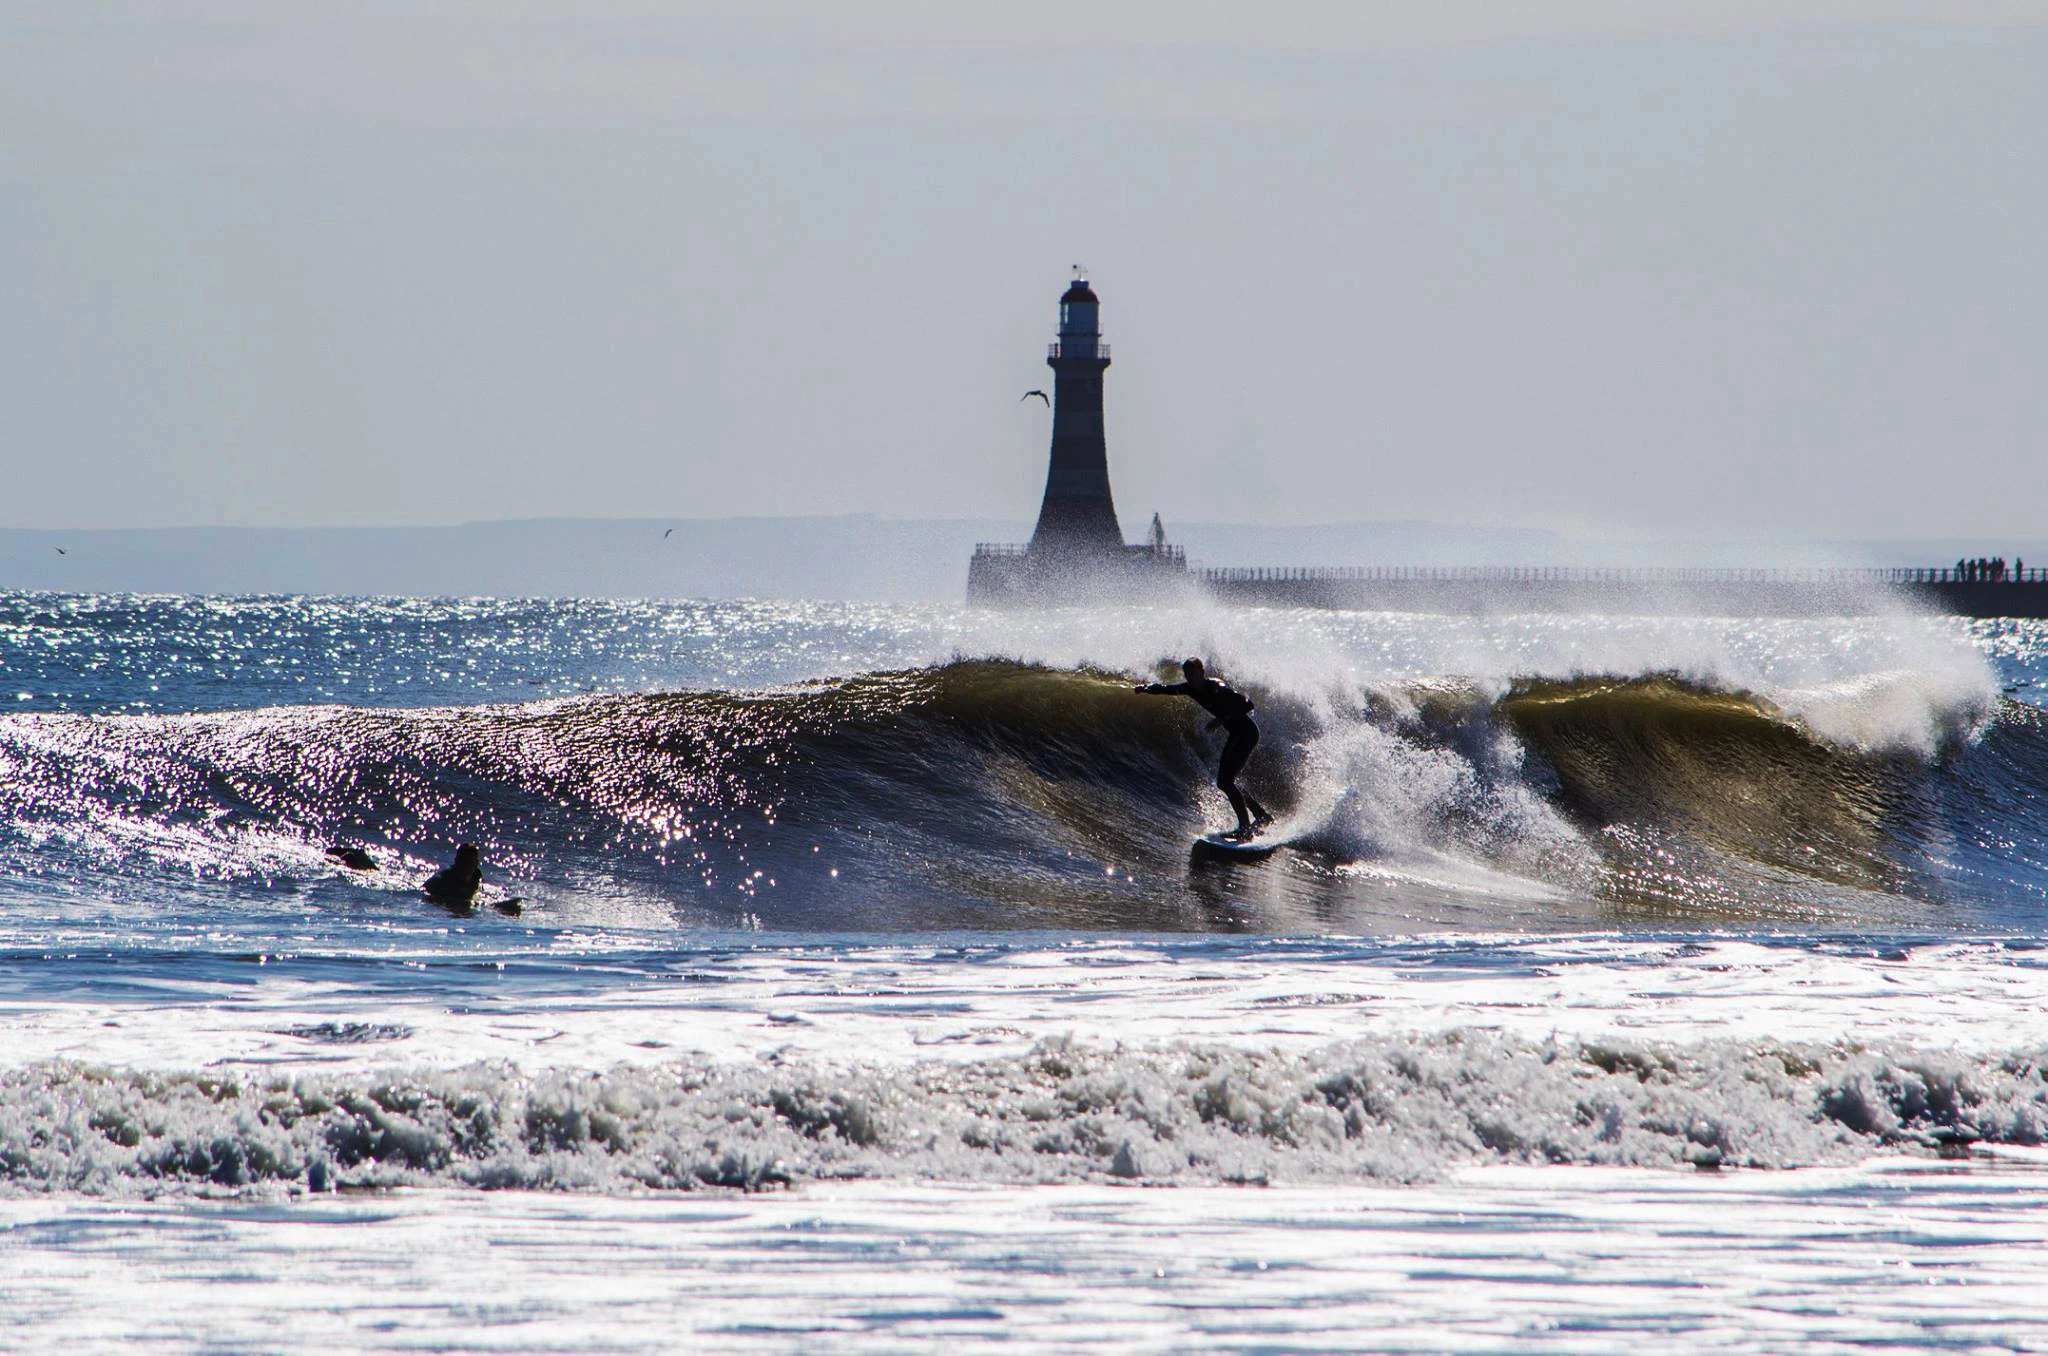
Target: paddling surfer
457	884
1230	711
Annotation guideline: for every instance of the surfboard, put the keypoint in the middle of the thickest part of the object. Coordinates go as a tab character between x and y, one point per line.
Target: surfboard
1223	848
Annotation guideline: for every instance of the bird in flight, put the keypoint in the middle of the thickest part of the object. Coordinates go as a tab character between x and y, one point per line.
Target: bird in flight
664	536
60	550
1040	394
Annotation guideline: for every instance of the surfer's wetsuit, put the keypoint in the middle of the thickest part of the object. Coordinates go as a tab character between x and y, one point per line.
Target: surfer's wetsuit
457	885
1233	712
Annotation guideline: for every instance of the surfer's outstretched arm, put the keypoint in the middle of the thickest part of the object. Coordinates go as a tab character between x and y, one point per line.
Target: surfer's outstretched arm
1161	689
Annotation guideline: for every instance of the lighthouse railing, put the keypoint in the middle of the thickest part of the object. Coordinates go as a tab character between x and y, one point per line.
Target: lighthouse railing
1076	349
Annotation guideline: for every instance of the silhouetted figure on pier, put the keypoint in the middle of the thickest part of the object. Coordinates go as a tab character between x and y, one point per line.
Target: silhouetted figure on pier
1231	711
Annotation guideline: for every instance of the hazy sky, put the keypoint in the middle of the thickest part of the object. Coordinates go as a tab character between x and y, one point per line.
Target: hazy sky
1618	268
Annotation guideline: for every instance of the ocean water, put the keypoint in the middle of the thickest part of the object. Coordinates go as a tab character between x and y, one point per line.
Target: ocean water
842	979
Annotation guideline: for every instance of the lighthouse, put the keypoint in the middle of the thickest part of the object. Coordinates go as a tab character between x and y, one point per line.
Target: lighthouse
1077	550
1077	517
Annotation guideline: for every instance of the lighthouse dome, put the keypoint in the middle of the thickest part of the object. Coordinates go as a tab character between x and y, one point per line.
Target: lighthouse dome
1079	290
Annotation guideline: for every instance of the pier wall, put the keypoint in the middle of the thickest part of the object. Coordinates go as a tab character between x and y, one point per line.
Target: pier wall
1731	592
1010	574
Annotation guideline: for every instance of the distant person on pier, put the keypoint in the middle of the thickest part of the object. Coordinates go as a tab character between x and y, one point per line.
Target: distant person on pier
1231	711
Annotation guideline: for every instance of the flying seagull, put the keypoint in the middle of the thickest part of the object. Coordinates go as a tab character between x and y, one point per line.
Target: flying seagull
1040	394
664	536
60	550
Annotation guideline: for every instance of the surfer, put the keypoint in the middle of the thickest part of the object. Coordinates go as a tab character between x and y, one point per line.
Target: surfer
1230	711
456	886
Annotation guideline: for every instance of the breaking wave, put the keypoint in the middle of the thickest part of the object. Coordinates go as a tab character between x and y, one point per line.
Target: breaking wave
988	793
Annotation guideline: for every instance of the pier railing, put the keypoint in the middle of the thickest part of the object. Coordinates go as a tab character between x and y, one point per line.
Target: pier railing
1176	556
1006	572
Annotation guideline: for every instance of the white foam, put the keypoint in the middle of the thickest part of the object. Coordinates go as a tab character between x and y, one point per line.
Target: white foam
1200	1061
1399	1107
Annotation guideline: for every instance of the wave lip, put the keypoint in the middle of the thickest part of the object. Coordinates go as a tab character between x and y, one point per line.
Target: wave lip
1394	1108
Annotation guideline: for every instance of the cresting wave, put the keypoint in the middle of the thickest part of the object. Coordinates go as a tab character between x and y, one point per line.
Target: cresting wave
991	793
1401	1108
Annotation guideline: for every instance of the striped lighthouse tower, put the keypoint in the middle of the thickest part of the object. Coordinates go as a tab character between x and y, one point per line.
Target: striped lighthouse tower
1077	518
